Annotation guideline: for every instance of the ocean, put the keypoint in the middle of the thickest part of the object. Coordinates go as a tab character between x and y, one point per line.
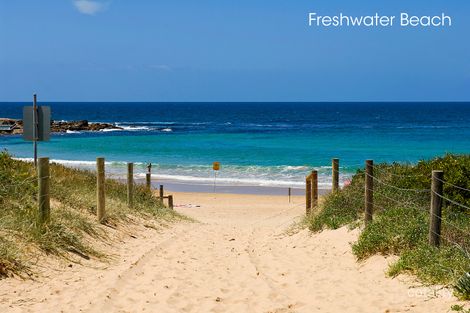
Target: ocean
257	144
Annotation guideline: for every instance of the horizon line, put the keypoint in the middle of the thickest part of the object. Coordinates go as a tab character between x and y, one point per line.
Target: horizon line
352	102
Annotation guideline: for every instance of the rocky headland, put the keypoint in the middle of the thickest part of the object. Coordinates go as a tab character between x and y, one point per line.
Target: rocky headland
10	126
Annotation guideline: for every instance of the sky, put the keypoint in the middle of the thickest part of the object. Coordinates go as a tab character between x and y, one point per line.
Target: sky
225	50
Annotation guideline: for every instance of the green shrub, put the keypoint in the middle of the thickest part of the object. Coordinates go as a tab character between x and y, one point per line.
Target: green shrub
459	308
339	208
456	172
401	218
432	265
393	231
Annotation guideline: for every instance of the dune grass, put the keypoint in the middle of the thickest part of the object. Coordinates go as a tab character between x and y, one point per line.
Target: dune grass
401	220
73	200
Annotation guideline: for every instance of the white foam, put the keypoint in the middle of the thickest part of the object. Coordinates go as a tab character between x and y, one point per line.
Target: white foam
146	123
79	163
230	175
227	181
134	128
293	168
107	130
73	162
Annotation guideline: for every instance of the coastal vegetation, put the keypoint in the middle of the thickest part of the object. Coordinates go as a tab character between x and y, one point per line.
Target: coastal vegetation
401	219
73	227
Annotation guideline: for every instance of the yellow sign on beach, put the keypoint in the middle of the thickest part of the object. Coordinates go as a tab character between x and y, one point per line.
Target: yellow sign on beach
216	166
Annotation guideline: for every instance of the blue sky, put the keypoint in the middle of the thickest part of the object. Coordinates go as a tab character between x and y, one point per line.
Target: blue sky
225	50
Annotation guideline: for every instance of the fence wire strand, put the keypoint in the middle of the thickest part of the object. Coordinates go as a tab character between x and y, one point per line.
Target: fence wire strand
385	172
455	186
395	187
444	222
451	201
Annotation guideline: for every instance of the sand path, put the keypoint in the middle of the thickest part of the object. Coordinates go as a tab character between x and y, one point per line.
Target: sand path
239	257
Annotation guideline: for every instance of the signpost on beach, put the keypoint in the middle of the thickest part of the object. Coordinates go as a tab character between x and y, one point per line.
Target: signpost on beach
36	125
216	168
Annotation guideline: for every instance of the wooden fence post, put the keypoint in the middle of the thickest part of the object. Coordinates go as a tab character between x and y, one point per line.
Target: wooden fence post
130	185
148	181
369	191
43	192
335	169
314	189
436	208
161	193
100	190
308	194
170	202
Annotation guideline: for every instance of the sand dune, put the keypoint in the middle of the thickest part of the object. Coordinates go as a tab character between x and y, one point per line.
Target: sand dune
240	257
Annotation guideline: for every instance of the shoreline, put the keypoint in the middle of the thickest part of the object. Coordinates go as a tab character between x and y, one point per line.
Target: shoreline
184	187
201	184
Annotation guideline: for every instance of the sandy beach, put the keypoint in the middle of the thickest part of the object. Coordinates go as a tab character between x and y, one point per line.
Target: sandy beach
241	255
234	156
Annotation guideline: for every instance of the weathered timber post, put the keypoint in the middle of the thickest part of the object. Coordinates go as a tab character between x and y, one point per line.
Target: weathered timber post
130	185
44	203
170	202
100	190
148	181
314	189
335	174
308	194
369	191
436	208
161	194
289	193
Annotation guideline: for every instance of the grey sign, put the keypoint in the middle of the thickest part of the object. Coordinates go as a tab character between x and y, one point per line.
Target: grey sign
41	130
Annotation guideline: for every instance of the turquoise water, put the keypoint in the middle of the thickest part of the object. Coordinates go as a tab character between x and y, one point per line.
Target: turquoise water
272	144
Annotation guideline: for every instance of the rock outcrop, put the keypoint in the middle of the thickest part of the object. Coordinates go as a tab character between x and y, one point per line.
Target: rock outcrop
10	126
84	125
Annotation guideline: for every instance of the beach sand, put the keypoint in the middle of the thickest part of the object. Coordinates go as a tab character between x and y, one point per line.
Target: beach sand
242	255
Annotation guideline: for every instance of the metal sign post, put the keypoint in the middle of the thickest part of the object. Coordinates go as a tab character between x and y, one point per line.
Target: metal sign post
36	125
216	168
35	130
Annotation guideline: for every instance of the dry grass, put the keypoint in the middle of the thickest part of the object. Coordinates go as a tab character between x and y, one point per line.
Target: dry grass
73	214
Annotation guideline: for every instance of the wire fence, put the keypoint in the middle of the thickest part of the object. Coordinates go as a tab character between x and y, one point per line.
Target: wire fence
421	198
384	191
390	187
34	187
